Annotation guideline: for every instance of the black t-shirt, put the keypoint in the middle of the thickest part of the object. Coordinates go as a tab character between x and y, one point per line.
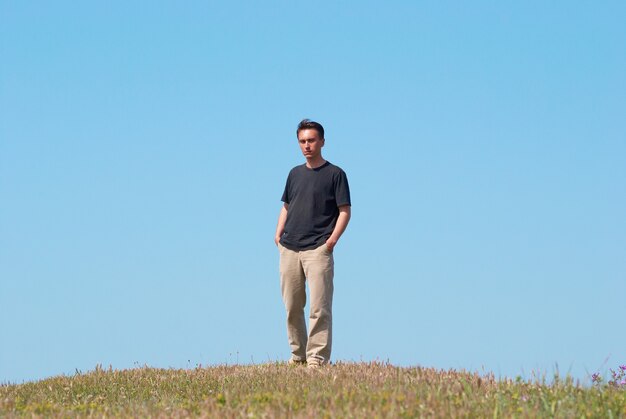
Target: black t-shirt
313	196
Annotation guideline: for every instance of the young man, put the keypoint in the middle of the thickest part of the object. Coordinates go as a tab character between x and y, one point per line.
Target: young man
315	213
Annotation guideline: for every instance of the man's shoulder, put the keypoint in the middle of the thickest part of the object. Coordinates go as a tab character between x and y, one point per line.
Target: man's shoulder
297	169
333	168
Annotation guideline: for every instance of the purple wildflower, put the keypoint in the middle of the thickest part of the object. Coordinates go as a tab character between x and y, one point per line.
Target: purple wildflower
622	367
595	377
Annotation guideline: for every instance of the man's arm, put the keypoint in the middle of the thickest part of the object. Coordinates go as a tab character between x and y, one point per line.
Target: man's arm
345	211
282	217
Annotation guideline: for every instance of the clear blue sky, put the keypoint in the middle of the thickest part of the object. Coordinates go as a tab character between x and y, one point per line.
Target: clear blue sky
144	147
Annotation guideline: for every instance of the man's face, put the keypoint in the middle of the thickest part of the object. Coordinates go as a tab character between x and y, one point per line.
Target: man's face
310	143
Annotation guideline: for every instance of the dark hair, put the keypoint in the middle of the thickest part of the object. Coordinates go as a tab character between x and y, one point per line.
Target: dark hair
308	124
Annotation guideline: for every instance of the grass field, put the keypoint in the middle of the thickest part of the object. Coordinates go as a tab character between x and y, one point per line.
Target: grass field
281	390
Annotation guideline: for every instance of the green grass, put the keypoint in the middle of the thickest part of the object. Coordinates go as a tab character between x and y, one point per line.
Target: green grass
280	390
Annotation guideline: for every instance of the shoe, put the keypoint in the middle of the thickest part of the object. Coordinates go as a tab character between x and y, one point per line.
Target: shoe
314	365
316	362
296	362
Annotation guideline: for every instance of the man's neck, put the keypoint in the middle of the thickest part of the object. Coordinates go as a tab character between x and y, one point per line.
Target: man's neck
315	163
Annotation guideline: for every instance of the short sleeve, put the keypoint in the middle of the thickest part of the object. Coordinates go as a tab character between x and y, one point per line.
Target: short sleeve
286	197
342	189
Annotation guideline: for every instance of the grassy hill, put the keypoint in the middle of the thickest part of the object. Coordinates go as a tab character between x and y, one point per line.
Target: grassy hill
280	390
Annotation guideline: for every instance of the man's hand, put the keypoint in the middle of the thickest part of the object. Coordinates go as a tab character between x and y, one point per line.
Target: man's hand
345	212
282	218
331	243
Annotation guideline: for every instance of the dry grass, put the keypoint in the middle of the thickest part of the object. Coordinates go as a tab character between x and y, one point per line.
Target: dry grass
279	390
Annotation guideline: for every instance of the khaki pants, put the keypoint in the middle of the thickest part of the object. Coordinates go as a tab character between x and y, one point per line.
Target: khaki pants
317	267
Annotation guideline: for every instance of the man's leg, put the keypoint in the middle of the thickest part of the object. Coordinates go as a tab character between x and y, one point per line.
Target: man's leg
293	288
318	267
